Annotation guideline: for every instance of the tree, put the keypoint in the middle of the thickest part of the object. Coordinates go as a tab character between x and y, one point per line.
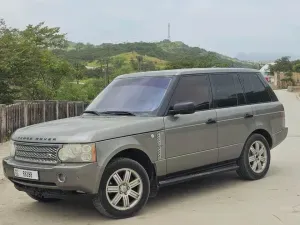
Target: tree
282	65
288	78
29	69
44	37
78	71
296	68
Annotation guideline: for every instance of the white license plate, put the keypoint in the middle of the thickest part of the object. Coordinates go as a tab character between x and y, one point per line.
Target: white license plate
28	174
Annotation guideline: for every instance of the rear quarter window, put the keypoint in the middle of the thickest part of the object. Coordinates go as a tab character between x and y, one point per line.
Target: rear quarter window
255	91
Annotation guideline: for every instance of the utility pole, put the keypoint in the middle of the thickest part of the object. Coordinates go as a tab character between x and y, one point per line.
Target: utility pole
139	59
106	72
169	31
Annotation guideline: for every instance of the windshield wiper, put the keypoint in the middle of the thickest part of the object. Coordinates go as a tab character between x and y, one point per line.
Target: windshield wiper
121	113
92	112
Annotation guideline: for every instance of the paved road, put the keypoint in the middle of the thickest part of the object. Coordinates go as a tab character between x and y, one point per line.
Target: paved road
220	199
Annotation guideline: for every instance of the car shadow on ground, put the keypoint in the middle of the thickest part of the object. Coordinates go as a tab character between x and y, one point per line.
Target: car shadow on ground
80	208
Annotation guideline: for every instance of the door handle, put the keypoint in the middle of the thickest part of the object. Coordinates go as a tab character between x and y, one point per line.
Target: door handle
210	121
248	115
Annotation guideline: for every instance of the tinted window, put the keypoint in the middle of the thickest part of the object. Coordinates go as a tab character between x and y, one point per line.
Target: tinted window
254	89
193	89
239	90
223	90
268	88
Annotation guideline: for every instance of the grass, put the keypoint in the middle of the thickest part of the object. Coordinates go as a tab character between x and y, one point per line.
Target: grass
126	58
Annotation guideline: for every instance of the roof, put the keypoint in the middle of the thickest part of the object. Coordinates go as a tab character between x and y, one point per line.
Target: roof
177	72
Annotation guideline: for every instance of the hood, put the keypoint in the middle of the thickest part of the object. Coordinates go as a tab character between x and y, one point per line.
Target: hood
86	129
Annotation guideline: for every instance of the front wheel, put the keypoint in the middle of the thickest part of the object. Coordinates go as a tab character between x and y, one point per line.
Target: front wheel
255	159
124	189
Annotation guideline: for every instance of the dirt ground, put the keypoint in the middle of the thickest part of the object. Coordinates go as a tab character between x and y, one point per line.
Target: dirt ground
220	199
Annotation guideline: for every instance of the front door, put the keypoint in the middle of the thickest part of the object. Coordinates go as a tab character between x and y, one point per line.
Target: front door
191	140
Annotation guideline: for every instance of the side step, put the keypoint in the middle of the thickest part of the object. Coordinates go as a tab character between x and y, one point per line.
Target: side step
196	175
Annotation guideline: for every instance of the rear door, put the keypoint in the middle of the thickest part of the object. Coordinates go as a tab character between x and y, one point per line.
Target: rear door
267	110
234	116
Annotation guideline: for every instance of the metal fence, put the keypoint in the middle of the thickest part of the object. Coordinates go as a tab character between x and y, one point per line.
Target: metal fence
25	113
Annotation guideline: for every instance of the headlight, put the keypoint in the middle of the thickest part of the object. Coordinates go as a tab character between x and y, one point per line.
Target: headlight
12	149
78	153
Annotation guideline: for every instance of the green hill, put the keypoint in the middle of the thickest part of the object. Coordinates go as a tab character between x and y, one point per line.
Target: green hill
127	58
156	55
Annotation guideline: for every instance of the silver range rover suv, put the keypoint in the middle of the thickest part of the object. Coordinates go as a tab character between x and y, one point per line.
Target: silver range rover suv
149	130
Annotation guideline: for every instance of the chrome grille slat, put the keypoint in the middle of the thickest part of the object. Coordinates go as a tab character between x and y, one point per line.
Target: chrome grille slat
37	153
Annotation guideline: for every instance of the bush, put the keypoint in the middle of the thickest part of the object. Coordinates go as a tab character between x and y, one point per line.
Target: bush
72	92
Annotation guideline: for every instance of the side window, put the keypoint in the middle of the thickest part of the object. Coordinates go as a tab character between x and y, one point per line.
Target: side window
193	89
224	92
254	89
239	90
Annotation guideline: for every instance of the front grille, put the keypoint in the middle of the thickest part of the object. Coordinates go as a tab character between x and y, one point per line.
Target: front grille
37	153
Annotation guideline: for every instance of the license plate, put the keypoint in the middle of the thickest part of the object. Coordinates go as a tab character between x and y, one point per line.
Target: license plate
28	174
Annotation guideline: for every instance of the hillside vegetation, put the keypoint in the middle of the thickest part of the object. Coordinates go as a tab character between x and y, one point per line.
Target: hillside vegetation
164	54
38	63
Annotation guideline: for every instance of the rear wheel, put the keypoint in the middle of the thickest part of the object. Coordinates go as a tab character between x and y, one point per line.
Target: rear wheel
254	161
124	189
40	198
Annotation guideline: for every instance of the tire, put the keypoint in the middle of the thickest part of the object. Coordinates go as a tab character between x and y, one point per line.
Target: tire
122	191
40	198
248	160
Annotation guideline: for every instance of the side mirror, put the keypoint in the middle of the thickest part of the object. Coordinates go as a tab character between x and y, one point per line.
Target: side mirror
183	108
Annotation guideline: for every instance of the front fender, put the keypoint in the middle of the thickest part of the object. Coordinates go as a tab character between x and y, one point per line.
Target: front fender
106	150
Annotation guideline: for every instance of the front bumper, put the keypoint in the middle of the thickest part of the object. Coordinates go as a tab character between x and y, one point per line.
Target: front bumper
79	177
279	137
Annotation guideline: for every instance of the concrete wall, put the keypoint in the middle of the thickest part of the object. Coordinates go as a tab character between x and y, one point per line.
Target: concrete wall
278	76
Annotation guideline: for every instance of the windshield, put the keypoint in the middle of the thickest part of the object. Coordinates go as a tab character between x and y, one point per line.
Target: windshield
139	95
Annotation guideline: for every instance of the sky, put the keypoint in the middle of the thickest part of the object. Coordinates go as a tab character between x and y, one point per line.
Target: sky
224	26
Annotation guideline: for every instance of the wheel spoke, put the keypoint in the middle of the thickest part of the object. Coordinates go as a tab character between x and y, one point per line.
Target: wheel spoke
126	201
252	150
117	178
112	189
259	165
261	151
134	194
254	166
263	159
116	199
134	183
127	176
251	158
256	146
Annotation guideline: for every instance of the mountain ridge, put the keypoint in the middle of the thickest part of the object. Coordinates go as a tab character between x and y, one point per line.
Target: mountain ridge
171	52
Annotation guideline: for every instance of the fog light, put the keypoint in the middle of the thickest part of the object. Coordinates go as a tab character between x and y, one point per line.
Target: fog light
61	178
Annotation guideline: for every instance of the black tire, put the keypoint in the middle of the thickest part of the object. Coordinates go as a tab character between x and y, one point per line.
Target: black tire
245	171
40	198
101	201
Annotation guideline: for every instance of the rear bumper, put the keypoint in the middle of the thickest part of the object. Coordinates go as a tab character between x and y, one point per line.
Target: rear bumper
279	137
79	177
